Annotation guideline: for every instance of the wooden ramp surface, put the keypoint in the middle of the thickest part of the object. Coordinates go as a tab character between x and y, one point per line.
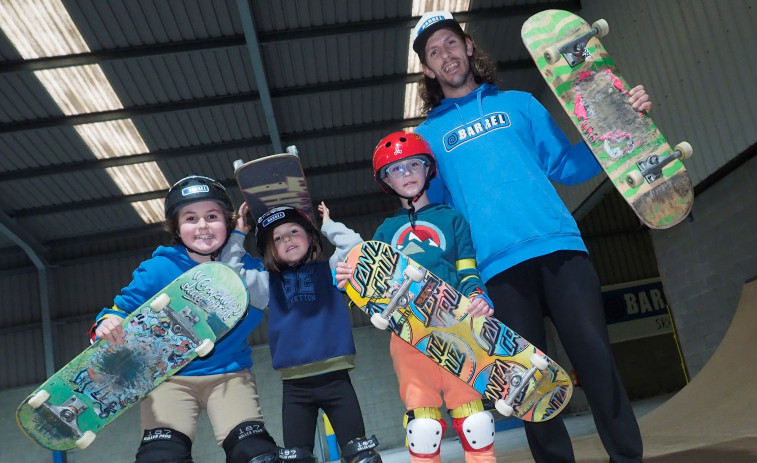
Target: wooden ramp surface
708	420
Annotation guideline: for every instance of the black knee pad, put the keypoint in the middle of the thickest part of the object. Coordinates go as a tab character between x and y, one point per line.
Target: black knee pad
296	455
249	442
164	445
361	450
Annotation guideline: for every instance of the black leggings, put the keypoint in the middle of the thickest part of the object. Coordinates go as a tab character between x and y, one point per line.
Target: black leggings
331	392
564	286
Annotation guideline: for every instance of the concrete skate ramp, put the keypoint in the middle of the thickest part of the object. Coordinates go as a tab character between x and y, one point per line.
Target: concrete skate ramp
713	418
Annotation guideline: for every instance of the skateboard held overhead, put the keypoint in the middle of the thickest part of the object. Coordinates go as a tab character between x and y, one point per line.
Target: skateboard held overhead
181	322
425	312
271	181
628	145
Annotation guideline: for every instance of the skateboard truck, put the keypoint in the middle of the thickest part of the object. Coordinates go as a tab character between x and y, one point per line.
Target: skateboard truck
575	51
291	149
183	323
518	382
399	296
67	413
650	168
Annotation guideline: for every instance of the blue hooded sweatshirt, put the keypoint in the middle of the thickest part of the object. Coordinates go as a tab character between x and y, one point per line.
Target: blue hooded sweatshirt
231	353
496	154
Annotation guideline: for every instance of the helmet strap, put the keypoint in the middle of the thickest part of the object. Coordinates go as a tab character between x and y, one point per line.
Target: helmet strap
411	213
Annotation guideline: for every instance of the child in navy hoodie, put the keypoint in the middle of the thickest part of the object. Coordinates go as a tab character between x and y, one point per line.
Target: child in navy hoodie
309	328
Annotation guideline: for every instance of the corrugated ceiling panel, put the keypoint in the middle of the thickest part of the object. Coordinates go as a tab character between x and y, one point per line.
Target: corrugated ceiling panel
22	97
275	15
39	148
337	109
202	126
124	23
58	189
69	223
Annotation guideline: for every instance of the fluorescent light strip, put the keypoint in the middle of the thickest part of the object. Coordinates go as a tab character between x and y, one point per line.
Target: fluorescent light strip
43	28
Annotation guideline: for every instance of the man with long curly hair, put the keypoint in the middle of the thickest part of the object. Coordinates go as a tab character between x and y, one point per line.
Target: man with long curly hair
497	152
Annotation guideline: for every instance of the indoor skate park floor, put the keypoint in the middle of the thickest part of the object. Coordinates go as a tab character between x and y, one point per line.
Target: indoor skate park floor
712	419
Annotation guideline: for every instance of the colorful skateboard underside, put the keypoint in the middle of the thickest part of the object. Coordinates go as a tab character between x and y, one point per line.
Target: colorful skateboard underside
102	382
594	95
480	351
272	181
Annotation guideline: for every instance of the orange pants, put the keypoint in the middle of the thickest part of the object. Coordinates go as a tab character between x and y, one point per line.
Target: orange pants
422	384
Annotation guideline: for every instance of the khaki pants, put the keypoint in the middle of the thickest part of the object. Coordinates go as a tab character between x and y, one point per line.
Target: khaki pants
229	399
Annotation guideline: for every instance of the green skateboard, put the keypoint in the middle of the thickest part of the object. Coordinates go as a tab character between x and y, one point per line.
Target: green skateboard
628	145
168	331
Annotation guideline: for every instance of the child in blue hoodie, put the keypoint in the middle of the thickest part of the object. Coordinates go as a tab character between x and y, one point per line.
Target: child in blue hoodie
200	218
497	153
309	329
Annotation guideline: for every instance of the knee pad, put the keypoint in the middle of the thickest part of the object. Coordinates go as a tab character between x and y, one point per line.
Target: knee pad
296	455
249	442
360	450
474	425
425	428
164	445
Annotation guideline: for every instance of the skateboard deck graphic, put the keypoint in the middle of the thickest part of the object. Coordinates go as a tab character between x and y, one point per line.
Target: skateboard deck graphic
630	148
168	331
481	351
272	181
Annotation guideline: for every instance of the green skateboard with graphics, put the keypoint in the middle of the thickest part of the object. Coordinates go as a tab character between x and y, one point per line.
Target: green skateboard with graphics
172	328
628	145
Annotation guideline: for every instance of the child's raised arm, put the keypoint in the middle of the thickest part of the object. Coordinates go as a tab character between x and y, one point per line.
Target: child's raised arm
339	235
233	254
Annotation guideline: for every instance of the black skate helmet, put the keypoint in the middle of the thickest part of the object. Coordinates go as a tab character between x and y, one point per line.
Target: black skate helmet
278	216
196	188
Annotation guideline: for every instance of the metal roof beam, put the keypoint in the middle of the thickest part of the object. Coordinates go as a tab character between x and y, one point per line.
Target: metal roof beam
258	68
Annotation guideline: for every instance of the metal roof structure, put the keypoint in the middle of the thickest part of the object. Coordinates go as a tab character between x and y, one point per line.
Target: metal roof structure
206	82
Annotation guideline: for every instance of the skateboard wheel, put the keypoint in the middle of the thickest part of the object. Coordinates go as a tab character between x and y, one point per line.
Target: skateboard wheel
205	347
160	302
602	27
413	273
379	322
552	54
238	163
539	361
84	441
634	179
685	149
38	399
292	149
503	408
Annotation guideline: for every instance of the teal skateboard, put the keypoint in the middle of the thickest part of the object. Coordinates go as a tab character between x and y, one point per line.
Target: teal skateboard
181	322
